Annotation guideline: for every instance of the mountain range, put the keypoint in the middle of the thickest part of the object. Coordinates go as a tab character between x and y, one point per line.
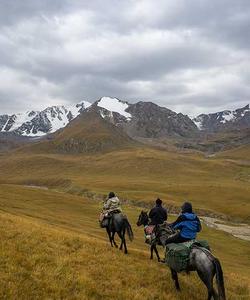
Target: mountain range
224	120
142	119
110	122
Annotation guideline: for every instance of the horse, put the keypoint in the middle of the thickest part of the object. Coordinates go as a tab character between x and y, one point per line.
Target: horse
200	260
118	223
143	219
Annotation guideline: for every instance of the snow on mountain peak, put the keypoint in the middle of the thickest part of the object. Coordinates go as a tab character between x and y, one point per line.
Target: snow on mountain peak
114	105
227	116
39	123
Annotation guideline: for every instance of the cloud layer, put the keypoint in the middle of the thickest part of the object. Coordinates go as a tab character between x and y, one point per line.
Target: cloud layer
190	56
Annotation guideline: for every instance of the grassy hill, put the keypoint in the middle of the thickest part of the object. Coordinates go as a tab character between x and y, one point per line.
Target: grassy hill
52	248
217	185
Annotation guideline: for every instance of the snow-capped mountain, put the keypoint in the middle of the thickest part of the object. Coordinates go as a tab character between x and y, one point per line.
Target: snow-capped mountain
139	120
144	119
227	119
39	123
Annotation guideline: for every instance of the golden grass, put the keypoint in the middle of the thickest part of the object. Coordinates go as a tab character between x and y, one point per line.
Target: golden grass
215	184
52	248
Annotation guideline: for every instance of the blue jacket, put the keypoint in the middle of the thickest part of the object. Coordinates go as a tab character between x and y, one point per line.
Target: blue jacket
188	224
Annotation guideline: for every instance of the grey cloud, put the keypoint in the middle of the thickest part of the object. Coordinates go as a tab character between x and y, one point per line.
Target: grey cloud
187	56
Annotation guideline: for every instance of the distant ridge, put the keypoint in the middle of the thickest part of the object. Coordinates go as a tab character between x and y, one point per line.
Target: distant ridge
224	120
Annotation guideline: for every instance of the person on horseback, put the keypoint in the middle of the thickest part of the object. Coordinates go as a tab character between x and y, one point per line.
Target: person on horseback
158	214
188	225
111	206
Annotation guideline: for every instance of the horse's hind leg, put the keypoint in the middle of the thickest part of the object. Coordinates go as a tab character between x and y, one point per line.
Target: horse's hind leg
113	239
121	236
175	278
125	245
109	235
208	281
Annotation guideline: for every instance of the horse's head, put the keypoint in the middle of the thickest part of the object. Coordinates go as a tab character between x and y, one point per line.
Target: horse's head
142	219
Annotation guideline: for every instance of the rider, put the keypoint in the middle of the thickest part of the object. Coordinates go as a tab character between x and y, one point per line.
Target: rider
158	214
111	205
188	223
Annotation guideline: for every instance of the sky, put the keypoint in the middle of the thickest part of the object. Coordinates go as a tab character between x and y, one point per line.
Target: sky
190	56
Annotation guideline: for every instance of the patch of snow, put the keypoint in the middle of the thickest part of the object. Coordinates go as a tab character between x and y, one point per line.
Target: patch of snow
198	121
21	118
37	134
198	124
227	116
114	105
3	129
75	109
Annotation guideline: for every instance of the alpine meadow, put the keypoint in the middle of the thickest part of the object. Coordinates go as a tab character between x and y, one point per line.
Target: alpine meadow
124	150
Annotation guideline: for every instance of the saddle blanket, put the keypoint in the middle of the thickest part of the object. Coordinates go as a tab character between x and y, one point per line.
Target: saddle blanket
177	255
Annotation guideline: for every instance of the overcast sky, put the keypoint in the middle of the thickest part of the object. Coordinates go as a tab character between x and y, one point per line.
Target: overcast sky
190	56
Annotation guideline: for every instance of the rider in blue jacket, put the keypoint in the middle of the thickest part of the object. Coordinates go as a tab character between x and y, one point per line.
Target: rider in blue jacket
188	225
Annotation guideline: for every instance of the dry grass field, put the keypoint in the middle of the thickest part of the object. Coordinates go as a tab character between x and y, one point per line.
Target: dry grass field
51	243
218	185
53	248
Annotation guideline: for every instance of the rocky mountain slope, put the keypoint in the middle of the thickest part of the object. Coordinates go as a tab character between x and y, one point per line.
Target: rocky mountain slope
145	119
224	120
88	133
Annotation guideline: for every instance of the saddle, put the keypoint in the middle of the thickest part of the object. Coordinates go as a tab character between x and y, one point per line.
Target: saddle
106	218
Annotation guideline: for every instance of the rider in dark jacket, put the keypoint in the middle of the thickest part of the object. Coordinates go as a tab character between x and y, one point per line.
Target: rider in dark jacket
158	214
188	224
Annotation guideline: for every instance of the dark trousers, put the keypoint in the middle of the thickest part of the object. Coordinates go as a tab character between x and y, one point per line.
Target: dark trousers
176	238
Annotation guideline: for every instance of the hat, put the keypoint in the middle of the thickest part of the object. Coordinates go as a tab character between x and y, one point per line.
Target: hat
186	207
111	195
158	201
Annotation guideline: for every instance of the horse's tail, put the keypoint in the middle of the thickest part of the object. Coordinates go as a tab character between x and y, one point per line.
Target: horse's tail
129	230
219	279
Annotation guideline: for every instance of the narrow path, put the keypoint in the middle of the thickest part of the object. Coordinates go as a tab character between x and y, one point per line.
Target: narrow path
241	231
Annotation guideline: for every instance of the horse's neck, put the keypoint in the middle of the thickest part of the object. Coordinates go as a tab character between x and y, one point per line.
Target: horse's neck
146	223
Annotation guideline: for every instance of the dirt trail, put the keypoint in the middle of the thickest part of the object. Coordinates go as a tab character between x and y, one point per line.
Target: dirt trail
241	231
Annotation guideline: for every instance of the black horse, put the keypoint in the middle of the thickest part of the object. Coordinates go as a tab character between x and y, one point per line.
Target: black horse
143	219
118	223
202	261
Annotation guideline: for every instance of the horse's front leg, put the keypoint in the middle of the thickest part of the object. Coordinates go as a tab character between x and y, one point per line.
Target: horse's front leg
151	251
175	278
157	254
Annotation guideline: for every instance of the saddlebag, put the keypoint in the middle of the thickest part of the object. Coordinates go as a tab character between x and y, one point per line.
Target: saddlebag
177	255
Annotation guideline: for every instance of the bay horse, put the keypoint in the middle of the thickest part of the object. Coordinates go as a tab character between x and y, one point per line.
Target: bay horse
118	223
200	260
